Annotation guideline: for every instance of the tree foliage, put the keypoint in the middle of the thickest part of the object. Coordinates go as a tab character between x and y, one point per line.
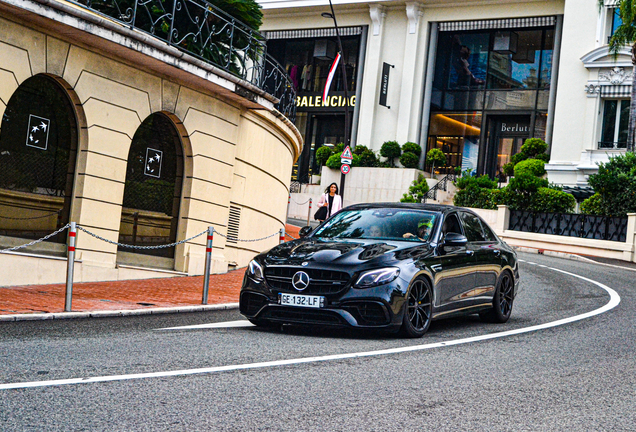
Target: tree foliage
323	154
411	147
409	160
391	150
532	148
417	190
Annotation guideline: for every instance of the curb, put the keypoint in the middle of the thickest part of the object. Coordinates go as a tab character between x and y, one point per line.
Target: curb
116	313
549	253
567	255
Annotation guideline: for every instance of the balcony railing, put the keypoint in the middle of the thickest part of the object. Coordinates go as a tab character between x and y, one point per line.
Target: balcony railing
201	29
604	145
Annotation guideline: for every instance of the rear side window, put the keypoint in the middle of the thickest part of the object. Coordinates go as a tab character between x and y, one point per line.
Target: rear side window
451	225
488	233
472	227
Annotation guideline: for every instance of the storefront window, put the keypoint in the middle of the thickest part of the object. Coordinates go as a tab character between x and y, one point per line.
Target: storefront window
511	100
540	124
457	135
307	61
546	59
461	68
38	148
498	75
515	65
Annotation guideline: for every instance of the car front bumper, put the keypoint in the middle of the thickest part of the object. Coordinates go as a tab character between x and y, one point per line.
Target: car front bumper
379	307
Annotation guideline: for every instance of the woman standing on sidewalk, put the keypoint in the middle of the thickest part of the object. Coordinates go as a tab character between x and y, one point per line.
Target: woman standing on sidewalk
331	200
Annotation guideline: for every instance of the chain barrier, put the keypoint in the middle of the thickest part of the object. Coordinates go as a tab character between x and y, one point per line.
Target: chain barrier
241	240
140	247
31	218
293	238
302	203
36	241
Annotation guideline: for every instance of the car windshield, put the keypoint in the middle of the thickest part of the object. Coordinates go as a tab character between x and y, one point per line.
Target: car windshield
380	223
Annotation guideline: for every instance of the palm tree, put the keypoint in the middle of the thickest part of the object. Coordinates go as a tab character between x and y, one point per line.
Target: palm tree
625	34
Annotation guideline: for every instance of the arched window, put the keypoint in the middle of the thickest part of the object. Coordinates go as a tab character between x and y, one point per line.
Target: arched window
152	193
38	148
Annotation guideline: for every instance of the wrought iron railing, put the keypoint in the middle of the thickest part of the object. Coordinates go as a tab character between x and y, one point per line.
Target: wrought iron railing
440	185
572	225
201	29
611	145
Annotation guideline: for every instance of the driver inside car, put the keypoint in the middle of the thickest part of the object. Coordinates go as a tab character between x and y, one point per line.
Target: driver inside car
424	229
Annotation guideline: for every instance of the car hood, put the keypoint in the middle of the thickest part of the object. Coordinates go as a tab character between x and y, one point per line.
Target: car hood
344	252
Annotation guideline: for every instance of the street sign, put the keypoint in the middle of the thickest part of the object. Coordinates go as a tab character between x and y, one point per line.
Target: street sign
346	154
345	161
344	168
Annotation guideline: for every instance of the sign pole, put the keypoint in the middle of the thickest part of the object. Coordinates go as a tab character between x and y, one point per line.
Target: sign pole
347	132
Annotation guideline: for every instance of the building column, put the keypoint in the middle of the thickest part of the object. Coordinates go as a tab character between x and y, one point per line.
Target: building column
411	91
372	72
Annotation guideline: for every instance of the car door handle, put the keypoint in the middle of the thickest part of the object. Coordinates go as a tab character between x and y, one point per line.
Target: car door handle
497	252
470	252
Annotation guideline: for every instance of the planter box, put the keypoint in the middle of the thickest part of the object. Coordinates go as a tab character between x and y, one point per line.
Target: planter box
369	185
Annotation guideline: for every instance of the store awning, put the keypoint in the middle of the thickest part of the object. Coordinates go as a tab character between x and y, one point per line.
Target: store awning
311	33
497	23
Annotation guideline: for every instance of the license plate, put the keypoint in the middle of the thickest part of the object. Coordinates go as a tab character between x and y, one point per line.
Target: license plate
301	300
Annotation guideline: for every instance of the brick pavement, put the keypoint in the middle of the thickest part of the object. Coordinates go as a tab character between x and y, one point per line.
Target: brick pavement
125	295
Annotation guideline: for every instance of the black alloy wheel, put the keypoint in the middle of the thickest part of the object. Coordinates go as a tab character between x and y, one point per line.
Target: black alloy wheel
418	309
501	302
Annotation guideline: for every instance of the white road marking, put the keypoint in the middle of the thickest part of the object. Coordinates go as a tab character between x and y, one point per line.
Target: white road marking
226	324
614	301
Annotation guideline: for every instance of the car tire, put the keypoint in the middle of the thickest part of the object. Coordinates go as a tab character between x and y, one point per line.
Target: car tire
501	302
418	309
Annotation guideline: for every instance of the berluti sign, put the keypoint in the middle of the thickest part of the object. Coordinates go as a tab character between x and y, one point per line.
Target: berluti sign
514	128
336	101
384	89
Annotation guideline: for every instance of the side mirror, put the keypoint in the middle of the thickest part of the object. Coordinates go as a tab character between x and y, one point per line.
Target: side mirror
454	239
305	231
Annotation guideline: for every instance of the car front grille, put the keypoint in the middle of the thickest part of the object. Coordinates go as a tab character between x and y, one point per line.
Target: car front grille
367	312
321	282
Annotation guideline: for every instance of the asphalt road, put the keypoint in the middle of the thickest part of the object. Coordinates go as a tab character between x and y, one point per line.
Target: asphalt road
579	376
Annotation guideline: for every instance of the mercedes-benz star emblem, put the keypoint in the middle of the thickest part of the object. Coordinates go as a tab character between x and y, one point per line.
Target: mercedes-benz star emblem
300	280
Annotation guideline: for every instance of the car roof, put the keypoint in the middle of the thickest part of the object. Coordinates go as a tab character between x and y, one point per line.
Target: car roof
440	208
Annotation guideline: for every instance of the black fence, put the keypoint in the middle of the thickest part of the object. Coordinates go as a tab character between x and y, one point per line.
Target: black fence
571	225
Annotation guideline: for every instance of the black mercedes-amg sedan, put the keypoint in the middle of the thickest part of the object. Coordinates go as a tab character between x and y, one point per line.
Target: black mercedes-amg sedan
385	266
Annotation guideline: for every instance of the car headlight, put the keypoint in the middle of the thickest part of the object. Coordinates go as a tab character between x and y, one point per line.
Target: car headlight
377	277
255	271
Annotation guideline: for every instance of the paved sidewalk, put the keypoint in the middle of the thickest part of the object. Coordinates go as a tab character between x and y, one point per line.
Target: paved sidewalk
175	294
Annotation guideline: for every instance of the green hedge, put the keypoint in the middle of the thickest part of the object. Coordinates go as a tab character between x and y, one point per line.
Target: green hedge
548	200
533	167
409	160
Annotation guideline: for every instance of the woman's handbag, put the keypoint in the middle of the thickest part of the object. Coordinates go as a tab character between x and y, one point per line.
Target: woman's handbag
321	214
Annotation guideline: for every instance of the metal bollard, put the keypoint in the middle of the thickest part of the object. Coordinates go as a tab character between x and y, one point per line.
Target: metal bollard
72	234
288	204
208	262
309	212
282	235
